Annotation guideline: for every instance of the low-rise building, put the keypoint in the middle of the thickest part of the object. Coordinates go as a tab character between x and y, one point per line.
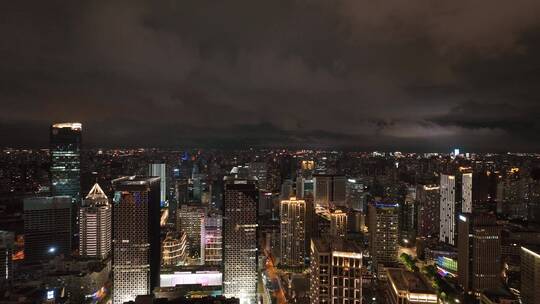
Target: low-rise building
405	287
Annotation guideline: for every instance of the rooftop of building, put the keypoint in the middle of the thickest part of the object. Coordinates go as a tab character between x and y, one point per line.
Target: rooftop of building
385	205
210	300
47	202
412	282
135	181
71	125
337	245
496	295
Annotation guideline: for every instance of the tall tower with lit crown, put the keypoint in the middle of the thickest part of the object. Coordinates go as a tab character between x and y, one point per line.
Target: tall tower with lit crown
65	148
95	224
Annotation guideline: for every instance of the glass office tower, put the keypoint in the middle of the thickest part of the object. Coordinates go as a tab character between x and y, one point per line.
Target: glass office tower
65	147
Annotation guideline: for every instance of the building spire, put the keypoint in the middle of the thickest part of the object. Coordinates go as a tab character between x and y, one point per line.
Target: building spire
96	193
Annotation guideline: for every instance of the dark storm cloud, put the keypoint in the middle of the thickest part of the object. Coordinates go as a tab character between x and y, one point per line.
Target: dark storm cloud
356	73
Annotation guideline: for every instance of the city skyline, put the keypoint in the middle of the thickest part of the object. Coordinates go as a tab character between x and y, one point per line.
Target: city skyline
270	152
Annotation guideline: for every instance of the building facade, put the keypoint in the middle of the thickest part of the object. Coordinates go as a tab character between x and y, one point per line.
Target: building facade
174	249
292	231
65	147
160	170
447	209
530	275
467	192
213	240
383	233
191	221
240	239
329	189
479	252
7	246
335	272
338	223
95	225
136	242
428	210
47	227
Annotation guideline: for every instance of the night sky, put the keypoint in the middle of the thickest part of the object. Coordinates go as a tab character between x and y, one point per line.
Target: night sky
411	75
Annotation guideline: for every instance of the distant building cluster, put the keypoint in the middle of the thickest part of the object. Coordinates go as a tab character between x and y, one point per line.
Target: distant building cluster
83	225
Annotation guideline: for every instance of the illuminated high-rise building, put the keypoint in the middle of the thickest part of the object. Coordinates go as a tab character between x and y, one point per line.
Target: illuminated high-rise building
479	252
7	246
338	223
136	242
383	233
65	147
95	224
174	249
530	275
213	239
191	221
428	200
240	238
447	209
47	227
335	272
160	170
467	192
293	231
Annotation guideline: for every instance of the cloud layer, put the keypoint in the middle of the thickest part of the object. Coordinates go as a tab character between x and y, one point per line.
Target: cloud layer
412	75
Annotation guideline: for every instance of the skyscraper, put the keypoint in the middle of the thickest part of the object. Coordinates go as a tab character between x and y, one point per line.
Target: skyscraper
47	227
428	210
240	238
65	146
213	240
136	242
160	170
7	244
447	209
338	223
191	221
383	233
479	252
329	189
467	192
174	249
530	275
336	272
95	224
293	231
